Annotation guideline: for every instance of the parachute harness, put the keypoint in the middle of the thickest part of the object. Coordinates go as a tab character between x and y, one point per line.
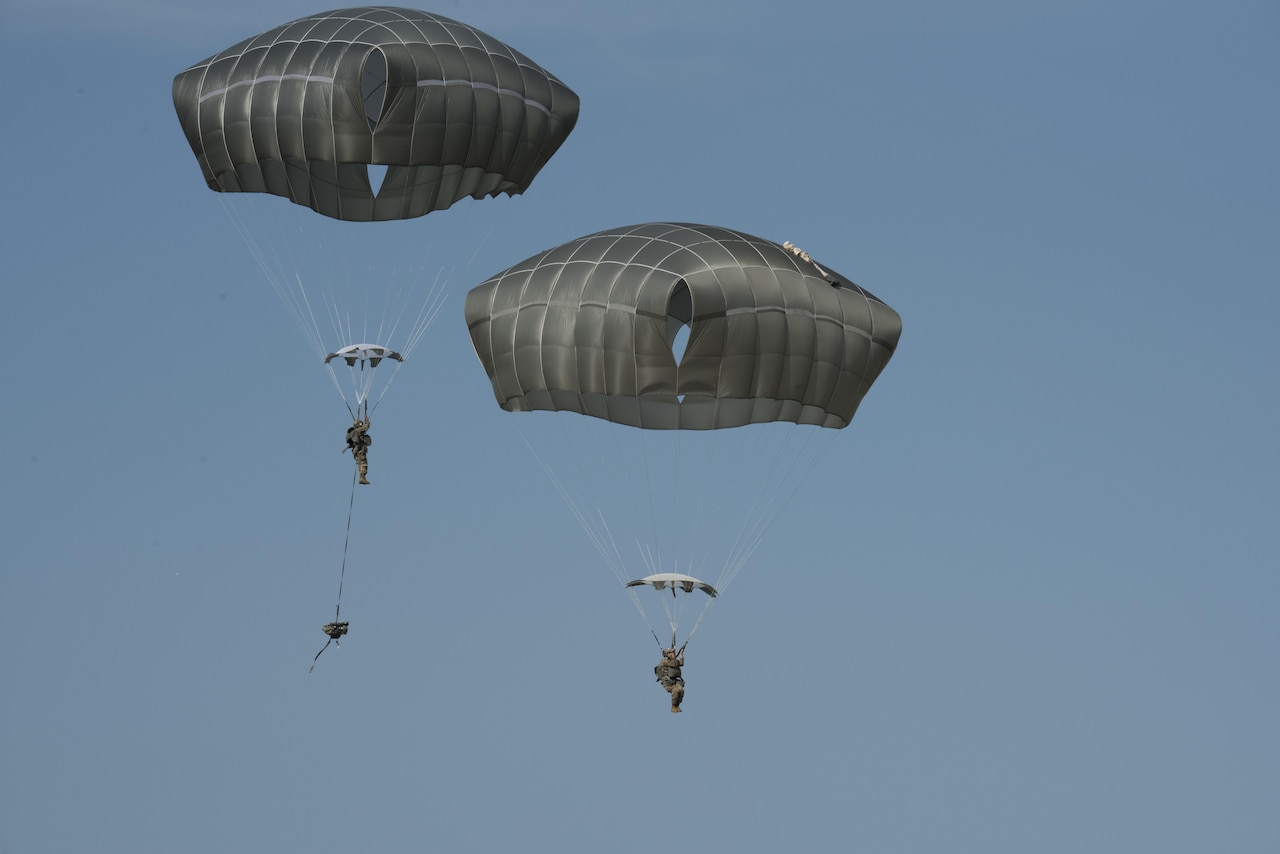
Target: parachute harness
337	629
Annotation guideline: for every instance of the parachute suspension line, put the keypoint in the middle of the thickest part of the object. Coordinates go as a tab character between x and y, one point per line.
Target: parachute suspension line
361	382
719	457
283	277
299	307
674	609
675	616
602	537
650	569
693	520
613	450
729	465
340	269
588	456
475	253
385	388
649	493
676	517
609	447
338	385
429	311
635	600
764	513
388	322
652	561
698	622
754	521
580	451
437	293
331	254
366	386
398	306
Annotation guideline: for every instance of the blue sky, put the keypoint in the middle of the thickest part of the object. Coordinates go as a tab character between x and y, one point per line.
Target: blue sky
1026	602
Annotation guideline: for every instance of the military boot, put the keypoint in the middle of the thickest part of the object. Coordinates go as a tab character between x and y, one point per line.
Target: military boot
364	480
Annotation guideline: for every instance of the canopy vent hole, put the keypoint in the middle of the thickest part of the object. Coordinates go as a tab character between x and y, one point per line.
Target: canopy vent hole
373	87
679	319
680	343
373	90
377	174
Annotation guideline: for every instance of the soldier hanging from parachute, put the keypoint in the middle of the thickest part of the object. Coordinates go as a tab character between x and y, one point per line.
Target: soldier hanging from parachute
358	442
590	328
314	109
668	671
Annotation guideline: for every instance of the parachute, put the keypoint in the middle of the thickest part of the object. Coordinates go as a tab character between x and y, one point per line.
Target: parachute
776	345
367	115
303	110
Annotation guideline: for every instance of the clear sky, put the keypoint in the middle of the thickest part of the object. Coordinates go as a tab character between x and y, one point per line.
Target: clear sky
1027	602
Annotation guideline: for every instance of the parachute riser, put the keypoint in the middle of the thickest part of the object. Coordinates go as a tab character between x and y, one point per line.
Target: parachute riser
679	652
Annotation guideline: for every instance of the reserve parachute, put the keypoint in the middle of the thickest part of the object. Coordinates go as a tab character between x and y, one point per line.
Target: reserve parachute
709	359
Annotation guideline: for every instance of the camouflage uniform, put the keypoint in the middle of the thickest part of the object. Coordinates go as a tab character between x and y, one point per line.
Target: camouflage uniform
668	673
358	441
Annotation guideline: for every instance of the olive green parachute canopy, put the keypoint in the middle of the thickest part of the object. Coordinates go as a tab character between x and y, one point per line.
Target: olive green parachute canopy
303	110
589	326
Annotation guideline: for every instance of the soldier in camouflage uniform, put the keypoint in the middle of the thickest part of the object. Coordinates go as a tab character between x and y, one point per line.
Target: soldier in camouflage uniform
358	442
668	672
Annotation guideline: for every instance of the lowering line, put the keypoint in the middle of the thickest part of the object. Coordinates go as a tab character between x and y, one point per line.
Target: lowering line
337	629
